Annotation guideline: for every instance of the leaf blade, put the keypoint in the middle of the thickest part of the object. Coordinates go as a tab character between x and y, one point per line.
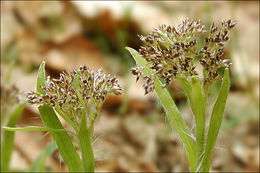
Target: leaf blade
41	78
8	138
50	119
199	106
216	119
31	128
171	110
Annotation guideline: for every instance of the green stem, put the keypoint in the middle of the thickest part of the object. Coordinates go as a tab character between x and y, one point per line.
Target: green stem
91	128
85	133
200	116
85	143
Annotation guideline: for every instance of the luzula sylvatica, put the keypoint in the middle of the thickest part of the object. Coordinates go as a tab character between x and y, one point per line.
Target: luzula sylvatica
77	97
171	53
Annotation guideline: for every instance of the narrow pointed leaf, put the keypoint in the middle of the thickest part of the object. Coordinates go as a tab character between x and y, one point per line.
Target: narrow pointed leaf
63	141
171	110
8	138
199	107
215	121
41	78
31	128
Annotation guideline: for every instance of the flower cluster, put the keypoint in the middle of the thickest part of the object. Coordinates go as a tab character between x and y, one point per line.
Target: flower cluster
171	51
61	94
213	51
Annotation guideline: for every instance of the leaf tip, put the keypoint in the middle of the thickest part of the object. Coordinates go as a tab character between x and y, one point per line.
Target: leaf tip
226	71
226	75
127	48
43	64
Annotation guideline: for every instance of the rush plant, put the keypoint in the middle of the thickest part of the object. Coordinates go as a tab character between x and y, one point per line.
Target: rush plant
172	53
77	97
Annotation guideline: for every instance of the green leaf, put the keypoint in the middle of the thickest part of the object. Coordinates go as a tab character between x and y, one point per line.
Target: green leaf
171	110
40	163
50	119
8	138
199	106
31	128
66	148
215	121
85	143
41	78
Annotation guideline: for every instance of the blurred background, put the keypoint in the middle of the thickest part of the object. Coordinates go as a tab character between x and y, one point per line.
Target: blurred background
131	134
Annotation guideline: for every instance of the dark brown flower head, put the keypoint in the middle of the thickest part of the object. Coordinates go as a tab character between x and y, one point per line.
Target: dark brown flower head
94	86
171	51
213	51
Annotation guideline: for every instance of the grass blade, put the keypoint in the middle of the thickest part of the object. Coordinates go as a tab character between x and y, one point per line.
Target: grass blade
171	110
31	128
50	119
215	121
66	148
8	138
40	164
41	78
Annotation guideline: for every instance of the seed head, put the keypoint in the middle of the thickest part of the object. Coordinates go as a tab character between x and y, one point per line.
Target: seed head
94	86
213	51
171	51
